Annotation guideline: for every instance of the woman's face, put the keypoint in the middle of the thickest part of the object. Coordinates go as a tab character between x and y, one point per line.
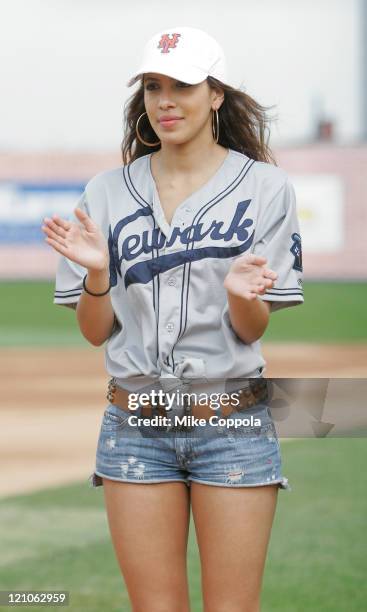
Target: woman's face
179	112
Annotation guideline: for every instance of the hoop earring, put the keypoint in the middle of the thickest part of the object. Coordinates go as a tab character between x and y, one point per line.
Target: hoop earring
148	144
215	129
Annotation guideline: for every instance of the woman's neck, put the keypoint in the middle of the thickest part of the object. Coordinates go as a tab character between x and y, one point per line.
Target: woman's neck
188	158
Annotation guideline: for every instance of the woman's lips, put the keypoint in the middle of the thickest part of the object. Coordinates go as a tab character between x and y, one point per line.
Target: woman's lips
169	122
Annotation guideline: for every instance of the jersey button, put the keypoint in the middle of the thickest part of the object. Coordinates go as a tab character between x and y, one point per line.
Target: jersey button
188	209
170	327
172	280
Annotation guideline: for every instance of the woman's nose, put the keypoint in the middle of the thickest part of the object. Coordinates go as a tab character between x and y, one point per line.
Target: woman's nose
166	103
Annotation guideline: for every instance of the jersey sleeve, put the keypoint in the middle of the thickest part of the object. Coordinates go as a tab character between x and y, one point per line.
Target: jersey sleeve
69	275
278	239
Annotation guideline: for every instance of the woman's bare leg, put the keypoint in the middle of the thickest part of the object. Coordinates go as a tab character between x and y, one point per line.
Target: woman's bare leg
233	527
149	526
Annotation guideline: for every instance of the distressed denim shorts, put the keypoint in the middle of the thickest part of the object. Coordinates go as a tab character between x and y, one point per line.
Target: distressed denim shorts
223	455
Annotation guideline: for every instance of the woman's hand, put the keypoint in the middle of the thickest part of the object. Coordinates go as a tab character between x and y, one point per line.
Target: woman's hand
248	276
84	244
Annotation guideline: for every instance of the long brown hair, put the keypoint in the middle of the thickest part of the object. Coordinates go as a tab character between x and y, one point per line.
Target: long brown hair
243	124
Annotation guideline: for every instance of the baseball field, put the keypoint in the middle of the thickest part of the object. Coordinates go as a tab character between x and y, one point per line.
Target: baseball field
53	528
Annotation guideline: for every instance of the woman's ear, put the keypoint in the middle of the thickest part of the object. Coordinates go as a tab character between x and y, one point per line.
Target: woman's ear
217	98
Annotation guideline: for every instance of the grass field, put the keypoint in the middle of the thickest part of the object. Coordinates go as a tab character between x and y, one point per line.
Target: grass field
332	312
59	539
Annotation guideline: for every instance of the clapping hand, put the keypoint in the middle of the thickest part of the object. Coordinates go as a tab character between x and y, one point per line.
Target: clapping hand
249	277
82	243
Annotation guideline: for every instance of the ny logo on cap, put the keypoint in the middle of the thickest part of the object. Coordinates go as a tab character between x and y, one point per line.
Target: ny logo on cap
168	42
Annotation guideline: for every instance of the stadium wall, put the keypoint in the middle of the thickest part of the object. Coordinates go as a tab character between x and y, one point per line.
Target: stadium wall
330	183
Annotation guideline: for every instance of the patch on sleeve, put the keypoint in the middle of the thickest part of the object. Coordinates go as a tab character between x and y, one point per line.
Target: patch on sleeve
296	250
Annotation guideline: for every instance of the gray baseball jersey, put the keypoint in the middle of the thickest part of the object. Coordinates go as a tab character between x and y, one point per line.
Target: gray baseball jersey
171	309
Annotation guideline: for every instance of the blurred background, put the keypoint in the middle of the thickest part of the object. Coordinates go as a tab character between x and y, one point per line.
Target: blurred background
63	69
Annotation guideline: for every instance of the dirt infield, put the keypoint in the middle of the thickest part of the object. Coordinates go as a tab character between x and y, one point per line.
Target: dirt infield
52	402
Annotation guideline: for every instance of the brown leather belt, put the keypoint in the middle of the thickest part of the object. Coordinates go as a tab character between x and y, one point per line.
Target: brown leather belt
248	397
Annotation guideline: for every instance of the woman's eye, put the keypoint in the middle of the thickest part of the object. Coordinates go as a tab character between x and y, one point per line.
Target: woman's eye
151	86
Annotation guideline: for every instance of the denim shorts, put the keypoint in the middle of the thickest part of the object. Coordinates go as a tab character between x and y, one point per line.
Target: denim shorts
232	453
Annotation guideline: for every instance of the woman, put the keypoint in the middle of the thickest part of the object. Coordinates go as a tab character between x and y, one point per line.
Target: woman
166	259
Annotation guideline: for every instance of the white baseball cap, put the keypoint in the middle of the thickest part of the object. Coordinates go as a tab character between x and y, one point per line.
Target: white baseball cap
187	54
